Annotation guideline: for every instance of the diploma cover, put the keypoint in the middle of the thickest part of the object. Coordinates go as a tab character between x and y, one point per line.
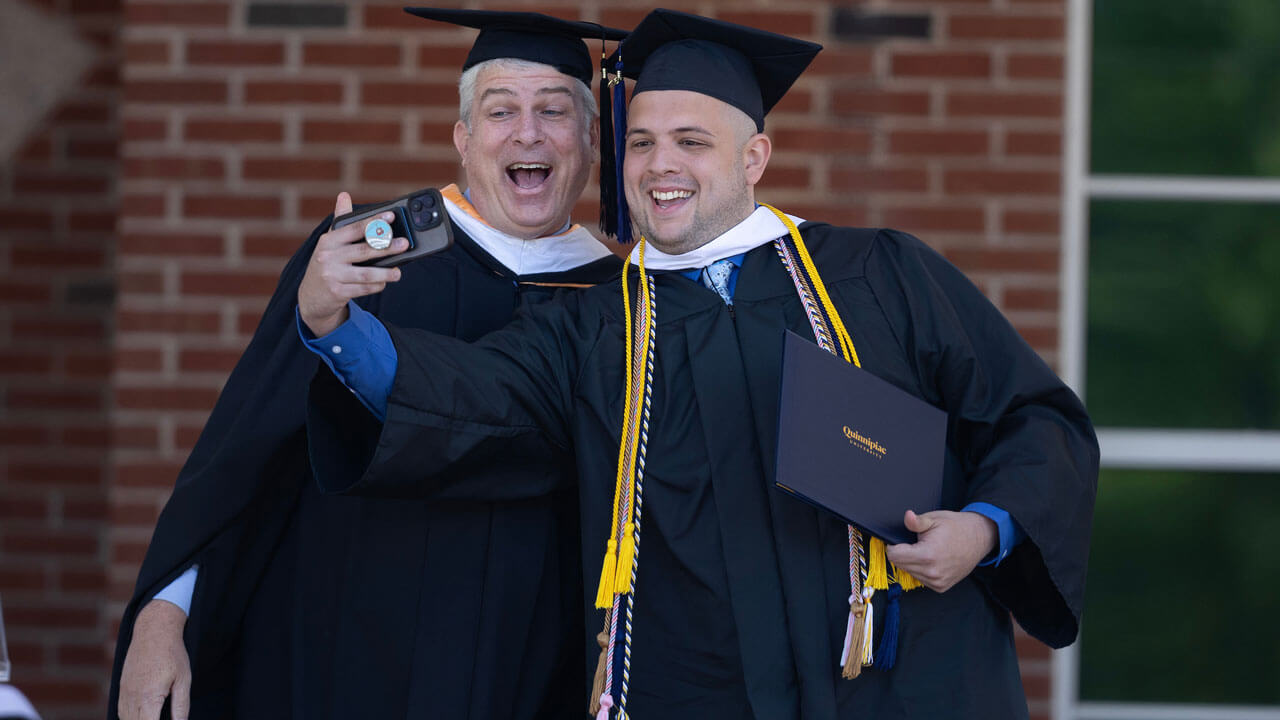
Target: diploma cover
855	445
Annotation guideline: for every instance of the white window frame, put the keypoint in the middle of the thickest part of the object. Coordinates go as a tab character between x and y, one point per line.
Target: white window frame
1224	450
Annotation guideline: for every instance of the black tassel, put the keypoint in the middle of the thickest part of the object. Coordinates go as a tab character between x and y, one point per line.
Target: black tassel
608	164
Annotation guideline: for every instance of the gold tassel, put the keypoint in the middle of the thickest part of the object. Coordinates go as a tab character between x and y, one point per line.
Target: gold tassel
877	572
604	593
853	661
905	579
597	685
626	556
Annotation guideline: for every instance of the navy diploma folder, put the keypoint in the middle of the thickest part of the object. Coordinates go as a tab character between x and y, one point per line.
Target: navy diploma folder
855	445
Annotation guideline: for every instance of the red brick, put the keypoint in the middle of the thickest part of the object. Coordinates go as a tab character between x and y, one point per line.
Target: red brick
405	171
879	179
175	244
47	616
353	54
621	17
1040	338
390	17
94	365
847	214
233	52
185	437
778	21
1006	27
139	360
13	291
935	218
166	398
823	140
140	283
1007	104
36	149
25	256
938	142
229	283
174	168
867	101
235	130
177	13
91	221
795	101
142	205
93	149
87	112
292	168
1007	182
146	52
60	328
1016	298
1004	259
431	131
144	514
34	508
408	94
275	93
26	219
138	129
1033	143
843	63
92	655
135	436
49	475
309	206
15	362
351	132
1031	221
148	474
61	542
231	206
172	92
61	183
83	8
18	435
15	579
1035	67
168	321
923	64
84	509
275	244
783	177
431	55
219	361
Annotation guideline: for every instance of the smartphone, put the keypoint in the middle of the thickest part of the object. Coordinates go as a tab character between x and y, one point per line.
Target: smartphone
419	216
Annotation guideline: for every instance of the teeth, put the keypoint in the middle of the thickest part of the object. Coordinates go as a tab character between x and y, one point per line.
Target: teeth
671	194
528	166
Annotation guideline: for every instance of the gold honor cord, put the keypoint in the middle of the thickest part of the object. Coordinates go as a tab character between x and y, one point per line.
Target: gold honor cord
879	572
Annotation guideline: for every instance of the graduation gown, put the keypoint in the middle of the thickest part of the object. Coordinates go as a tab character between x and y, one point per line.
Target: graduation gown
315	606
742	591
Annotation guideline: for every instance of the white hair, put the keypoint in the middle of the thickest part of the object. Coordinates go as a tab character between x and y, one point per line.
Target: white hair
583	97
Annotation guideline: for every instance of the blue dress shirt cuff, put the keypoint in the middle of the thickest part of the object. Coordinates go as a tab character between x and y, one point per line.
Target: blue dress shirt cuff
179	591
1010	533
360	354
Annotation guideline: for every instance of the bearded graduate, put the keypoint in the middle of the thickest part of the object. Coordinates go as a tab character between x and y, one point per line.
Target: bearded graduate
718	594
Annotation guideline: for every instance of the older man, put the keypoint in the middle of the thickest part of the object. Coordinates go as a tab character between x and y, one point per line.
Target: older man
307	606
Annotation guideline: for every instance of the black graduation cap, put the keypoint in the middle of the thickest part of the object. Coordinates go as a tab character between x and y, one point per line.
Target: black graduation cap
747	68
526	36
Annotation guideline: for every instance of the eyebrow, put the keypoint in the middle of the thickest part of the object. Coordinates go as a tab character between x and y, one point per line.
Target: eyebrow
676	131
557	90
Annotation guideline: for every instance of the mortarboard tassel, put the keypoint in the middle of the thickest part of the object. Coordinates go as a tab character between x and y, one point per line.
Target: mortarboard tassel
877	565
608	168
619	104
887	653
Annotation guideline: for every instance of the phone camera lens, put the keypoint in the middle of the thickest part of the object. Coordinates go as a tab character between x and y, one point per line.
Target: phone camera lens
416	205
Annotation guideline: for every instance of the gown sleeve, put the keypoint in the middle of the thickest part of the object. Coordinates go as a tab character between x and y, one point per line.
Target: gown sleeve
502	403
1022	436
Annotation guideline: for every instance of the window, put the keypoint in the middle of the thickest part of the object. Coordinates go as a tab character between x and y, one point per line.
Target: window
1172	334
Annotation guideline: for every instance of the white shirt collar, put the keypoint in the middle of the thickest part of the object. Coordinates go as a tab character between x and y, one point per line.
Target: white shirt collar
572	248
760	227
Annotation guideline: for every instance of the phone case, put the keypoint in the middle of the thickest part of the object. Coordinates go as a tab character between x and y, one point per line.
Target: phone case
420	216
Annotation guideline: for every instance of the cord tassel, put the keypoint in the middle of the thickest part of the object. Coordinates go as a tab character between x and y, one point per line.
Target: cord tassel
905	579
867	633
626	557
851	655
597	684
877	570
604	593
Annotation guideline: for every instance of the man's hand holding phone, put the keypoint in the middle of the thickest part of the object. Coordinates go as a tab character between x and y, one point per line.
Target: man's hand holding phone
335	276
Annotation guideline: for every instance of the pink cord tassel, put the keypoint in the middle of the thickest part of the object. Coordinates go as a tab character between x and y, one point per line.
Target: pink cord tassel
606	702
848	634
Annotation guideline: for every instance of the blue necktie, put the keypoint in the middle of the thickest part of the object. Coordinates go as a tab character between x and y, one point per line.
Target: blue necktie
716	276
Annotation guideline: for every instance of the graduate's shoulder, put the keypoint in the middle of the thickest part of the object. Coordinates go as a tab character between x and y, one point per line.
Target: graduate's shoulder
845	251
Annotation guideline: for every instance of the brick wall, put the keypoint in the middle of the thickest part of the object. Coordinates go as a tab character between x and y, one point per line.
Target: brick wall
57	219
239	123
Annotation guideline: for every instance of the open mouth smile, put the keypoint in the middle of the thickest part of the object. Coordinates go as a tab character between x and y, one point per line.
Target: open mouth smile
528	176
666	199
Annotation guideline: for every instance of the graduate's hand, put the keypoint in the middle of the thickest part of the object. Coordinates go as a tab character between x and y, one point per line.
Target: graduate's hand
948	547
333	277
156	666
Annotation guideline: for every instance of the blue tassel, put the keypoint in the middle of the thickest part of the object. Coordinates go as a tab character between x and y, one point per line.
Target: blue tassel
619	154
887	653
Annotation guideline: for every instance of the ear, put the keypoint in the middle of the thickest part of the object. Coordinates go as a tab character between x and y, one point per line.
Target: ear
461	136
755	156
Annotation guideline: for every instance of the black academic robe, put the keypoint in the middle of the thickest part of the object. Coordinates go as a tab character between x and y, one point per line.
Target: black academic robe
313	606
742	591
